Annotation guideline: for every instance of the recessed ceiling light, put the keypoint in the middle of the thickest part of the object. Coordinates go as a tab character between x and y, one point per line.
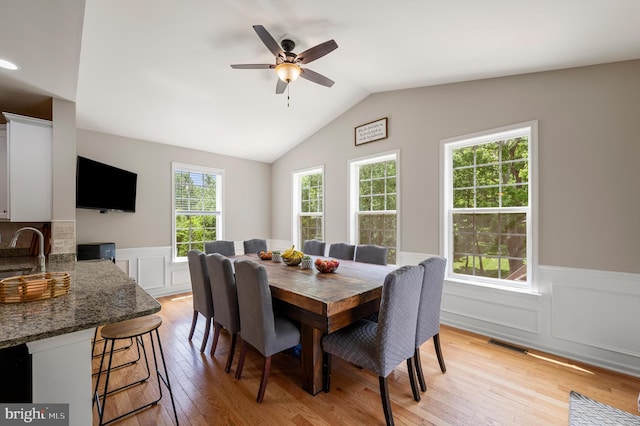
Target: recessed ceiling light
7	64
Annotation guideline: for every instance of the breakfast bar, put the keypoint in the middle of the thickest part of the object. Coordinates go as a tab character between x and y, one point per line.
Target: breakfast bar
58	331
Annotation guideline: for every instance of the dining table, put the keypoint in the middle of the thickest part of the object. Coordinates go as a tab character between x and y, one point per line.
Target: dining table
322	303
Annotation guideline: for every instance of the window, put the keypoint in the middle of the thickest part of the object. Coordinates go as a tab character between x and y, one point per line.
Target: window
197	212
308	206
488	205
373	202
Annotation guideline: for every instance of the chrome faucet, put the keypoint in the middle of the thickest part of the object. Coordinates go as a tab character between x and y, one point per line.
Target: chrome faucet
14	240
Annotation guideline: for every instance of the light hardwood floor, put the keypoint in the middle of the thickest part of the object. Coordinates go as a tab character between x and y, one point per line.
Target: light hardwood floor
484	384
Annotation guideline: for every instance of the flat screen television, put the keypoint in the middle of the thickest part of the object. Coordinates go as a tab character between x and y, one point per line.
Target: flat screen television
104	187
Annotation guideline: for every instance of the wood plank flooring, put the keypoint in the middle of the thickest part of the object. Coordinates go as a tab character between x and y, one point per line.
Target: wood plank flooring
484	384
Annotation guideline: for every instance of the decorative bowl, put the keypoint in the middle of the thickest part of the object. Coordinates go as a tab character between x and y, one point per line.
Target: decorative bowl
265	255
306	264
326	266
275	256
292	261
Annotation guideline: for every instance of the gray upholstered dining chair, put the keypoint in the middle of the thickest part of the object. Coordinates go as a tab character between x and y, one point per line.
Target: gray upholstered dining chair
260	328
201	290
429	313
225	248
382	346
371	254
254	246
313	248
342	251
225	302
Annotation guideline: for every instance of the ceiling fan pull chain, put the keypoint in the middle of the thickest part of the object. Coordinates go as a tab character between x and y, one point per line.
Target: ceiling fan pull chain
288	85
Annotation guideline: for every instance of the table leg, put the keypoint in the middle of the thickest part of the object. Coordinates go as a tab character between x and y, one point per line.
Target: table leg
311	359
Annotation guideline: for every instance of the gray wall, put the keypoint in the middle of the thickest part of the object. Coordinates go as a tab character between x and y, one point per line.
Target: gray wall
247	192
589	156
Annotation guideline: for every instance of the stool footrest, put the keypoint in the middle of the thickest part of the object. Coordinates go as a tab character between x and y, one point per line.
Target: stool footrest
136	328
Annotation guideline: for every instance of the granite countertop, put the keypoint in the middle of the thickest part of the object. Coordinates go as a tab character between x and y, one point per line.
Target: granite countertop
100	294
21	262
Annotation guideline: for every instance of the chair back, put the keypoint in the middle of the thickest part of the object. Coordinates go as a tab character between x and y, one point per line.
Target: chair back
314	248
342	251
430	299
200	287
395	336
223	290
225	248
256	309
255	246
366	253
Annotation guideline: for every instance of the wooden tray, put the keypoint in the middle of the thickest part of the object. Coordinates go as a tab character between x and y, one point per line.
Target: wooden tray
27	288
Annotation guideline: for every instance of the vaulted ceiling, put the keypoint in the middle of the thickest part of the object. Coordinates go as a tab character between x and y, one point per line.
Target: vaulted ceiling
159	70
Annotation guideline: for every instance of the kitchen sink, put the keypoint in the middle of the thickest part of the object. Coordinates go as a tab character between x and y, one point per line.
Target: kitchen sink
14	273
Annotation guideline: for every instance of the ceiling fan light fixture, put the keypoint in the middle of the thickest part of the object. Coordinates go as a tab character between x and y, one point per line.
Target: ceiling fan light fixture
8	65
288	72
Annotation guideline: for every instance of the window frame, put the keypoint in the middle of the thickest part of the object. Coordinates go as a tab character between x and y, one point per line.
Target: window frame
219	213
296	177
354	193
446	202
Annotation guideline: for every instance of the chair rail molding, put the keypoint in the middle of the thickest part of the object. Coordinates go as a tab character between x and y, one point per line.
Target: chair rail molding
581	314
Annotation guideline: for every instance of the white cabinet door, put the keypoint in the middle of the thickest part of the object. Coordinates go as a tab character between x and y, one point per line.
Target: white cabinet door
29	155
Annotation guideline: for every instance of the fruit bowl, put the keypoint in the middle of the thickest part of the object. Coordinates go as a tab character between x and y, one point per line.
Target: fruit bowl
326	266
292	261
265	255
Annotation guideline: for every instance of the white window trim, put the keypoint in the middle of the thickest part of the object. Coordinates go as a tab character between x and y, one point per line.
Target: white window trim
219	204
354	192
295	197
446	243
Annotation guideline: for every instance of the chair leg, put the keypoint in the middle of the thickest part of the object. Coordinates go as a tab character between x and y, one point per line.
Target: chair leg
412	380
216	334
386	404
419	373
436	343
206	335
243	353
232	350
265	376
194	320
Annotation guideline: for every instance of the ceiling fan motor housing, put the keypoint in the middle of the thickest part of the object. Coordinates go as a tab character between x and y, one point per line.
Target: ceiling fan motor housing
287	45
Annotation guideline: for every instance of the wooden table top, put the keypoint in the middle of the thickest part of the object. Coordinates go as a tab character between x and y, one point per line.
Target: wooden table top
326	294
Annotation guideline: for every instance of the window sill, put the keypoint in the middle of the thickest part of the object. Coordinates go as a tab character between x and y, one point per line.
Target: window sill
501	288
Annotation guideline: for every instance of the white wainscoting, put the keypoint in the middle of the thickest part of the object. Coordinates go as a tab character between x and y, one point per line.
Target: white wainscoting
153	270
598	309
584	315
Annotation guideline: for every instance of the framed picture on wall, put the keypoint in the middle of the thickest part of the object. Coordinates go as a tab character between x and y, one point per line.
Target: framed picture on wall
369	132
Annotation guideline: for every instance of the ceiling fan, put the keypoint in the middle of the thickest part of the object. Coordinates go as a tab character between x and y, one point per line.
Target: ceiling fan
287	64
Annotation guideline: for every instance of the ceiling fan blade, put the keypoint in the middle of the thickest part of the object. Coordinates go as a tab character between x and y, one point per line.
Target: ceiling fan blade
316	78
281	86
269	41
252	66
317	52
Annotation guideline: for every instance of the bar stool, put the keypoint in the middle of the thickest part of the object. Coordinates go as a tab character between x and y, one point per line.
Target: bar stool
135	328
126	346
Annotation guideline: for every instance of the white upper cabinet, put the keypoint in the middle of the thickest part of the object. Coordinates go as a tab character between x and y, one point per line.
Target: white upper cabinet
26	186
